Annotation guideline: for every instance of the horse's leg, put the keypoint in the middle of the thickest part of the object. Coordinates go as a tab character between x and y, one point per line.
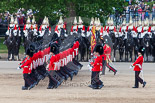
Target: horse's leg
131	55
114	54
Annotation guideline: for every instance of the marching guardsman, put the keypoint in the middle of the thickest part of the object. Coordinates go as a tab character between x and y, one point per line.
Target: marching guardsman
27	27
96	67
26	66
34	27
74	27
43	27
99	29
53	83
89	29
138	68
81	27
122	30
10	29
107	53
60	28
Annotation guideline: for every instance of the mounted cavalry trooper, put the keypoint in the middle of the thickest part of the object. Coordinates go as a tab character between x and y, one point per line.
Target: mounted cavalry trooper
106	27
139	30
81	27
122	30
99	29
17	34
131	28
60	28
74	27
146	28
10	28
27	27
43	28
112	28
89	29
34	27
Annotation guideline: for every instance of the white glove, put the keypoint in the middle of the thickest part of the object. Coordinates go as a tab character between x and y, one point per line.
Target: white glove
18	68
90	67
131	66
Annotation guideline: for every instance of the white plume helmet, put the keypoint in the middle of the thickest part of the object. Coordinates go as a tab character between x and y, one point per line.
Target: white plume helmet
16	21
60	20
44	21
99	23
124	22
28	20
111	22
108	21
75	21
80	20
139	22
92	21
146	22
33	20
130	20
47	21
95	22
12	20
153	21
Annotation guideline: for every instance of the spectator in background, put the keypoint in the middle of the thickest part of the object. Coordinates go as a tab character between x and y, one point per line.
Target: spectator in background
140	12
153	11
0	17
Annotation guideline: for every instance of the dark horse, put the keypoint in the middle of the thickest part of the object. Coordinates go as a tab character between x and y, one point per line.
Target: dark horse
17	45
28	39
121	47
147	44
84	46
114	41
129	46
153	46
10	43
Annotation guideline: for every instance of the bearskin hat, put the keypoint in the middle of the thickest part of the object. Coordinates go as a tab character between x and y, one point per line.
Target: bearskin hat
54	48
29	52
141	50
99	48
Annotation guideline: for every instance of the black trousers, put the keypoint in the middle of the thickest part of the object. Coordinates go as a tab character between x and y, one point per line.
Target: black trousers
28	80
95	81
137	79
110	67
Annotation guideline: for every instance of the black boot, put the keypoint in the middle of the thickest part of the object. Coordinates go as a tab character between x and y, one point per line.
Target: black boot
144	83
24	88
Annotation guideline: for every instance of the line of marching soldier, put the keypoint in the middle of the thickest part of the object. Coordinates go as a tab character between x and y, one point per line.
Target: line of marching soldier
58	66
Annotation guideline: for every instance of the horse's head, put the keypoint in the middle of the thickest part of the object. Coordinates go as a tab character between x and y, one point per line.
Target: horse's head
146	40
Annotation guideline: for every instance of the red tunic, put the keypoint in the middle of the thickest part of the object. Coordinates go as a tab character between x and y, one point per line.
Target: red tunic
51	64
26	64
97	65
107	51
138	63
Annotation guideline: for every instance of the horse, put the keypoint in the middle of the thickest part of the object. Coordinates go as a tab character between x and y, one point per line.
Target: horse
153	46
121	47
114	41
17	45
147	44
10	43
129	46
28	39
